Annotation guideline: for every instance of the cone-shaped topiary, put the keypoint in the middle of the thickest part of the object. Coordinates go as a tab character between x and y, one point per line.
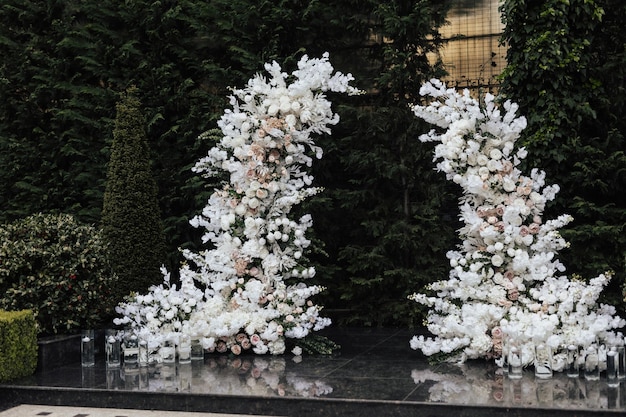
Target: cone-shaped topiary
131	219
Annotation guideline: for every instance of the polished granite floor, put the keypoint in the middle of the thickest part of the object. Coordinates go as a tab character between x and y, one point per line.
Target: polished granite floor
375	370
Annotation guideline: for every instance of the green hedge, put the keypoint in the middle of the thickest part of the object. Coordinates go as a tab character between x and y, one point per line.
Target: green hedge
18	344
57	267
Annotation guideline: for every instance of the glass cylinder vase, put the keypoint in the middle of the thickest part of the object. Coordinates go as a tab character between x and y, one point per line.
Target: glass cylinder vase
591	366
543	361
112	348
612	363
516	364
130	347
87	348
168	351
573	369
143	353
621	356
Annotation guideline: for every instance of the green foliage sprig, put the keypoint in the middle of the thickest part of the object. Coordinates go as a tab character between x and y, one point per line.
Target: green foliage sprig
315	344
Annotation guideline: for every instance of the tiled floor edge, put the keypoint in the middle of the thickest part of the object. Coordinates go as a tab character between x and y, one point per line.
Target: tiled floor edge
11	396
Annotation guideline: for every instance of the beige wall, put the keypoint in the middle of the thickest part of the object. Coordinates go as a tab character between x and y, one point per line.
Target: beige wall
473	56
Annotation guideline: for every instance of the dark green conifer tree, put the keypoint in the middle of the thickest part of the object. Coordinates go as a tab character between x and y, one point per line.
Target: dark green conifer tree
131	219
388	218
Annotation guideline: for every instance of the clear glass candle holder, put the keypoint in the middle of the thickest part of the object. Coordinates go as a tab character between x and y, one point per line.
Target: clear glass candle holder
112	349
516	363
543	361
130	348
197	351
591	366
168	351
612	364
573	369
87	348
184	349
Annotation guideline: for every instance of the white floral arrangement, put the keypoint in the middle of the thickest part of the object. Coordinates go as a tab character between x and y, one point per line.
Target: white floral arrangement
505	276
248	292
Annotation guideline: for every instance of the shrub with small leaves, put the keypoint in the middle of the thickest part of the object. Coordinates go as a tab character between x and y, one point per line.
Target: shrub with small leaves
56	267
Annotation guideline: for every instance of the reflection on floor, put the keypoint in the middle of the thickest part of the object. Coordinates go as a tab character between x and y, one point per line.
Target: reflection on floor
374	365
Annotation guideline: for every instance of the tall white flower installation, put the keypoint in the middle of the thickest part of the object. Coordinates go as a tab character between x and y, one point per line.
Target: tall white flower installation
249	290
505	274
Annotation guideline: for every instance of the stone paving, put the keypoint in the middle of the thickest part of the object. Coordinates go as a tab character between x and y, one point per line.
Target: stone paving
58	411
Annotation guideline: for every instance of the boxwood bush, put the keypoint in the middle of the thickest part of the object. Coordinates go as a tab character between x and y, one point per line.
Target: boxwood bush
58	268
18	344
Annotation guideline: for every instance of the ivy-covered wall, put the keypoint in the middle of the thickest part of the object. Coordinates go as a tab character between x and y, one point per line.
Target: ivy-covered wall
567	70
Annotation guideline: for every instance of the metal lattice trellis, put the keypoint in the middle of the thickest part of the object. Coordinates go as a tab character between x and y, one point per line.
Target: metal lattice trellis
473	55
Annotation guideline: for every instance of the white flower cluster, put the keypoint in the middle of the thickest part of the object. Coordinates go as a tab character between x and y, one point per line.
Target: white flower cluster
251	281
506	272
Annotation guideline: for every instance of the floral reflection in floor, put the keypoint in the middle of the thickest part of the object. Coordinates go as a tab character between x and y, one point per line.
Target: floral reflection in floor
252	376
478	383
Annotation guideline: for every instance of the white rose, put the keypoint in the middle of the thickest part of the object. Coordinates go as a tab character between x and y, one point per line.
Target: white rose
494	165
508	184
482	160
497	260
272	110
253	203
495	154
